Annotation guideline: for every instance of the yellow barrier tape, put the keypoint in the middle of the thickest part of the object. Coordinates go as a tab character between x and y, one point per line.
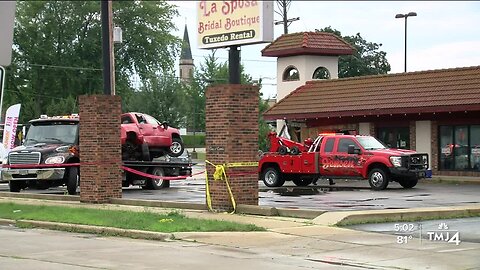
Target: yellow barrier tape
241	164
219	174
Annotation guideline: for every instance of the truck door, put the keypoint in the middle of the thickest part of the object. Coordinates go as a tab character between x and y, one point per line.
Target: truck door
326	163
347	164
145	128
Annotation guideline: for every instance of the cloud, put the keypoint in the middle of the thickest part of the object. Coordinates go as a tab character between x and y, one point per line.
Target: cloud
449	55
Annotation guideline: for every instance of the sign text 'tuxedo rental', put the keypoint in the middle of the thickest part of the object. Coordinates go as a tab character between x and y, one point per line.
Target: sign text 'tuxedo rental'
237	22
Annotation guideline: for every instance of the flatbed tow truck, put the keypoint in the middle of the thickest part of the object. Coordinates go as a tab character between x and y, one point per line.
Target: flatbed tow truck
50	157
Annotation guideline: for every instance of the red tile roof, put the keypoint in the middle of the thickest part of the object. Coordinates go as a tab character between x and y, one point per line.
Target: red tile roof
308	43
446	90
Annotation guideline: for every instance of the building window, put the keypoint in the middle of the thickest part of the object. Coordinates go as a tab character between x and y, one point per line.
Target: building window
321	73
459	148
394	137
291	74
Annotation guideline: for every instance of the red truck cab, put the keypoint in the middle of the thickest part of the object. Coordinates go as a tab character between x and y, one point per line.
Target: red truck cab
345	156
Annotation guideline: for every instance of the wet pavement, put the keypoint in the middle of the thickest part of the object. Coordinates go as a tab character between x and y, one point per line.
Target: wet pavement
344	195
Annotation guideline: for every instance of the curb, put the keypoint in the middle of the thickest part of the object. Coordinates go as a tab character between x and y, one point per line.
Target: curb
89	229
53	197
163	204
381	216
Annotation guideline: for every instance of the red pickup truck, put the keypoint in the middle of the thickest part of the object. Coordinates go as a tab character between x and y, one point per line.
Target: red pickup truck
143	138
344	156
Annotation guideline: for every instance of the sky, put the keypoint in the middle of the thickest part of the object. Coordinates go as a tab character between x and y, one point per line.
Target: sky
444	34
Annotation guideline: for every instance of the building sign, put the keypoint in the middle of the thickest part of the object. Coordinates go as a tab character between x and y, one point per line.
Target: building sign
235	22
7	17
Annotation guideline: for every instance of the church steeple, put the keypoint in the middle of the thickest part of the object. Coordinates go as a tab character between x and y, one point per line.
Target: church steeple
186	60
186	51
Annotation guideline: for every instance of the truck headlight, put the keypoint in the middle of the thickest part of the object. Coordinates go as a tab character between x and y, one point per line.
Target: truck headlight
55	160
396	161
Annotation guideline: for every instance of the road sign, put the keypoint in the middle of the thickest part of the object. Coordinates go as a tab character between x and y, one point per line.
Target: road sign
7	18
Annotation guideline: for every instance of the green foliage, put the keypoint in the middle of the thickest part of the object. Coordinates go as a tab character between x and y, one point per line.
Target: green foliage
161	96
170	222
57	51
194	141
366	60
263	127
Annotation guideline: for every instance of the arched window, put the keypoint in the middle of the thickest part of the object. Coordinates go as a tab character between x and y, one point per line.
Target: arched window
321	73
291	74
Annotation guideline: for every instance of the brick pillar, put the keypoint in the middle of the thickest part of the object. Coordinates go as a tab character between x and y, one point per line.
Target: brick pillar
413	135
434	157
100	149
232	136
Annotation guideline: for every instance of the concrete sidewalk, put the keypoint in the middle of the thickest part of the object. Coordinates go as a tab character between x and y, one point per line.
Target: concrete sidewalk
311	242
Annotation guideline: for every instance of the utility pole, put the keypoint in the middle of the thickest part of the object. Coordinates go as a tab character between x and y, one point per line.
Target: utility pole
284	6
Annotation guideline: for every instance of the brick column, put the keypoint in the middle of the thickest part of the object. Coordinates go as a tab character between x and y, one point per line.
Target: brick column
232	136
100	149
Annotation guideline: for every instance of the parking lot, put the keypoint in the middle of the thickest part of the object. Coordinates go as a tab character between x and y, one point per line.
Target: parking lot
344	195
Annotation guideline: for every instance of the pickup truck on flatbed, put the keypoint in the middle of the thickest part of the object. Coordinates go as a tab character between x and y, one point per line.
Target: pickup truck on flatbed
341	156
50	157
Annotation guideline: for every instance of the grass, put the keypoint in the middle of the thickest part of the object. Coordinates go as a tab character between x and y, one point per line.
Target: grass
147	221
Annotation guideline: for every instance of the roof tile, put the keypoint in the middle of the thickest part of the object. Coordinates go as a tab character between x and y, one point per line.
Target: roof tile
383	94
308	43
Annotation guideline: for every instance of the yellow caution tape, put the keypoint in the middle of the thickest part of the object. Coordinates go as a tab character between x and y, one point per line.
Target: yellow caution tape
219	175
241	164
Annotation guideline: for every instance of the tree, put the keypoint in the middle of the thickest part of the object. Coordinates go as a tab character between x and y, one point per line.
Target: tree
366	60
210	73
57	50
163	97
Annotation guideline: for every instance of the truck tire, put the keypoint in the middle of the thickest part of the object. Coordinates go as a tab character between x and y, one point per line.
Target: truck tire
73	178
282	150
378	179
177	148
408	182
15	186
295	151
272	177
155	184
302	182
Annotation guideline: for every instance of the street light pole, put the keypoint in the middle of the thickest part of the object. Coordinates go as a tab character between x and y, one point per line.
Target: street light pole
410	14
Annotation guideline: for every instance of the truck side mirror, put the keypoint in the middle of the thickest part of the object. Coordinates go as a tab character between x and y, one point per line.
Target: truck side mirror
353	150
164	124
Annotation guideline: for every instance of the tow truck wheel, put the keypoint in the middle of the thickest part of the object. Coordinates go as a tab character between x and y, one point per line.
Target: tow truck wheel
272	177
153	183
302	182
72	180
408	182
378	179
15	186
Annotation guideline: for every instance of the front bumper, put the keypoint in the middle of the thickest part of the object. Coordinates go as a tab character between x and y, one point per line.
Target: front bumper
404	172
33	174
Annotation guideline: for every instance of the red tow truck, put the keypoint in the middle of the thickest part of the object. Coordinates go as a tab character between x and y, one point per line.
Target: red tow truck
340	156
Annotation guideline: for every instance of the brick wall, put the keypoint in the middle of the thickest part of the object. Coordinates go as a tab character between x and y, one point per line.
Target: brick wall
413	135
100	149
232	136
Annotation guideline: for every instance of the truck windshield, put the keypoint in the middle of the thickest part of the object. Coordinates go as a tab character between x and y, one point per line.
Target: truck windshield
59	133
370	143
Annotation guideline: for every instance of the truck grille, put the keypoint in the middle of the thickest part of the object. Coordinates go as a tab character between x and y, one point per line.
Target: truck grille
24	158
418	161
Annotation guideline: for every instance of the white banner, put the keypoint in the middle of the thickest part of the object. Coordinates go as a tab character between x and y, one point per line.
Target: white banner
10	128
